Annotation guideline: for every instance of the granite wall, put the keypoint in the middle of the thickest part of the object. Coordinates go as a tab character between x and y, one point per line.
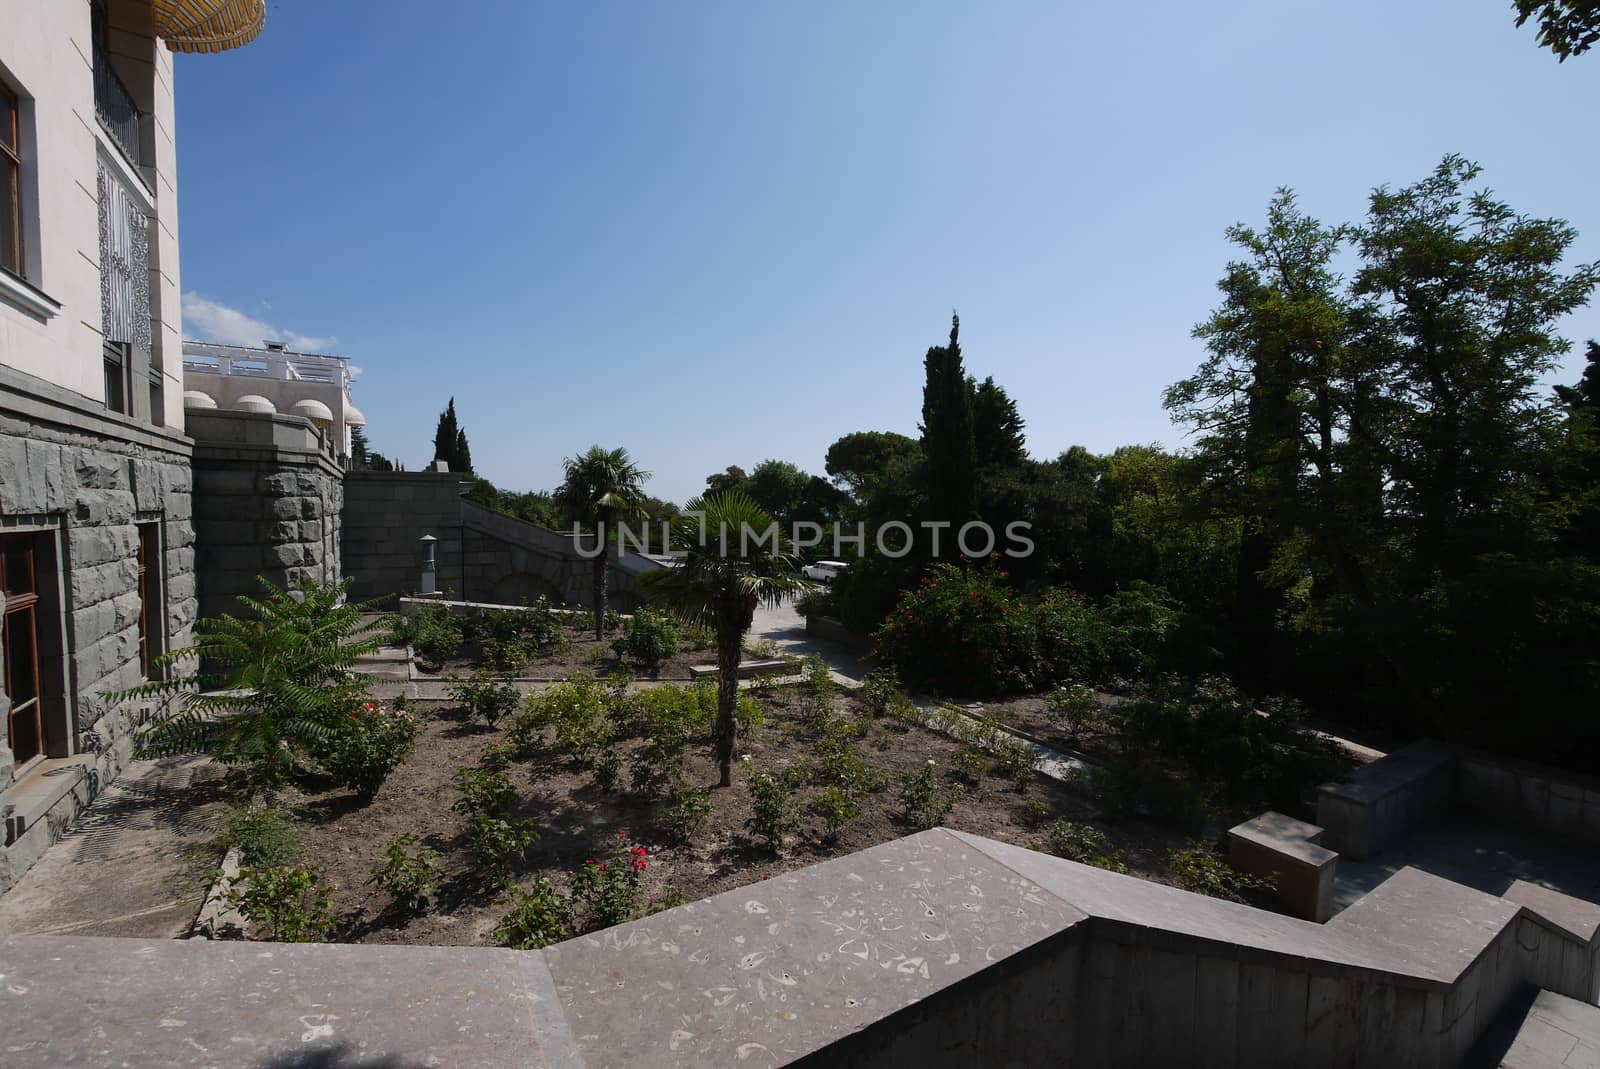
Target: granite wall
269	502
81	481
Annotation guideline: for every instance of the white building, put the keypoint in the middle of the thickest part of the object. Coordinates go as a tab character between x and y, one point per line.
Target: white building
273	379
96	533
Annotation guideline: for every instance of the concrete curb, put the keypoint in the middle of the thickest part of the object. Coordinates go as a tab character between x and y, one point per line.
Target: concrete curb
217	919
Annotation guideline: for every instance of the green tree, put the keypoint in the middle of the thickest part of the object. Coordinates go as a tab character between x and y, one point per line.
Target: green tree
947	433
359	458
735	559
602	488
997	427
732	478
450	441
859	460
1566	27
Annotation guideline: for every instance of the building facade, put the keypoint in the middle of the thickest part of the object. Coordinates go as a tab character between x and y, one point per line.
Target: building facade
97	554
272	379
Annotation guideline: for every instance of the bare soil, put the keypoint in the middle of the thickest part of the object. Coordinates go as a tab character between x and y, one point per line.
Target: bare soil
578	821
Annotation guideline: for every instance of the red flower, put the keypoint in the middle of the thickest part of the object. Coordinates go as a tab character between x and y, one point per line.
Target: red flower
622	835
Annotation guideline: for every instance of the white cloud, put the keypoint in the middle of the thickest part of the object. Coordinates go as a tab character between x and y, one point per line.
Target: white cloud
208	320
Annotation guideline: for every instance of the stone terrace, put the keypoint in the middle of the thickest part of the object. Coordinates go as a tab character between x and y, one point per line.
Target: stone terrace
941	948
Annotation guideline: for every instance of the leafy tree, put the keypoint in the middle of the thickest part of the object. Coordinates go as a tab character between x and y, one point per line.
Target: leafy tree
864	458
730	567
277	687
947	433
1389	436
602	487
1566	27
996	427
450	441
733	478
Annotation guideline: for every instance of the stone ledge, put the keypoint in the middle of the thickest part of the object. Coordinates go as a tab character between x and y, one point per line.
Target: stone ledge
747	669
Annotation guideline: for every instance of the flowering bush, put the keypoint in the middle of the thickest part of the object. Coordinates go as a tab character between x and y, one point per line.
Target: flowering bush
927	804
607	892
668	717
369	745
1077	707
837	807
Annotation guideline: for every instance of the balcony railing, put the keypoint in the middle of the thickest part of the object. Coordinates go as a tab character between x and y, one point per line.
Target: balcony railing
115	107
213	359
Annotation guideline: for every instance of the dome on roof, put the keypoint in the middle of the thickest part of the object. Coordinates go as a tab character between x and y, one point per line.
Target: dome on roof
252	402
353	416
311	410
198	399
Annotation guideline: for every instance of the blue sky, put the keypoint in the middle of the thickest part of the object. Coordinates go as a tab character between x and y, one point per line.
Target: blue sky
716	233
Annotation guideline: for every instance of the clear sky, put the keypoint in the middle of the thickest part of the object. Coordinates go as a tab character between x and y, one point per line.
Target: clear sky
719	232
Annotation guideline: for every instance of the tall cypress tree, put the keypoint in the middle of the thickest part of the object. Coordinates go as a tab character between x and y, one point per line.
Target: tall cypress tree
947	437
450	441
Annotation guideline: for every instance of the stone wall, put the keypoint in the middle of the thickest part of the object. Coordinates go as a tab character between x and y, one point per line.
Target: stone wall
481	555
83	480
269	501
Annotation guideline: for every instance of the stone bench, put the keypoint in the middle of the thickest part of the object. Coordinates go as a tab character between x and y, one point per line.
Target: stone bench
1382	803
1285	849
747	669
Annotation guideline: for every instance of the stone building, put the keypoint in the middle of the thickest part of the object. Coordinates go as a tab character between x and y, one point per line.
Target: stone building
97	535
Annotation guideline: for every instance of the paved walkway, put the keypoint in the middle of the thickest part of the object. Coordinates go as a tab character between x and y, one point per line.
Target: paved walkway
136	864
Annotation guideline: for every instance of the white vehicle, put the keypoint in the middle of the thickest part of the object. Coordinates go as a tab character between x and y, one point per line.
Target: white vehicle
823	571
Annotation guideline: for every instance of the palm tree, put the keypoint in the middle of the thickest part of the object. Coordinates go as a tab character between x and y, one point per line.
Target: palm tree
602	486
734	559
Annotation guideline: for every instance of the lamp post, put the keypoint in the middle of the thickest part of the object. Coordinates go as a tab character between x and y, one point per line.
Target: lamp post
429	565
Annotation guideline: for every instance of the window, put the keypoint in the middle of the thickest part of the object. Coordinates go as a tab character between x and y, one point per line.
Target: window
117	376
150	631
157	401
19	633
10	183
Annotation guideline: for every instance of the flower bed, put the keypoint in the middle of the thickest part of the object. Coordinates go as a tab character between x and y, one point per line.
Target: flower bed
829	791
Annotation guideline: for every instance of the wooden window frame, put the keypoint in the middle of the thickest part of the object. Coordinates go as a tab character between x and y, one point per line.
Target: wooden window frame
151	575
12	259
21	608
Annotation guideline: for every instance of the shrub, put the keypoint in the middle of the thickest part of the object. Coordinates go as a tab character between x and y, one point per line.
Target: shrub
700	638
484	791
816	601
481	694
688	814
970	764
1014	761
669	898
498	843
539	917
1085	844
1198	868
668	717
816	694
606	892
649	638
926	803
774	813
293	905
607	768
960	632
406	873
1078	709
434	634
264	835
369	746
879	690
838	764
577	710
279	682
837	807
497	755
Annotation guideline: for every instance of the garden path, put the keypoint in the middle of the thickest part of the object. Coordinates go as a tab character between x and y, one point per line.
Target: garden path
137	863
